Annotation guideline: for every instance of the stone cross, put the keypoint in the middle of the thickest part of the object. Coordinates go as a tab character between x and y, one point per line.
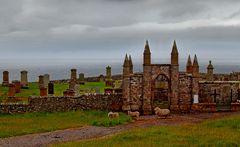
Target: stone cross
51	88
5	78
215	95
24	79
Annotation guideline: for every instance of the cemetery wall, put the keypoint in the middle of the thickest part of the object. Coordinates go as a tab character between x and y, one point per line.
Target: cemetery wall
59	104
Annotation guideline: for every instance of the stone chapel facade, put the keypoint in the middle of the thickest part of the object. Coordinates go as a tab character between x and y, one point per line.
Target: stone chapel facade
164	86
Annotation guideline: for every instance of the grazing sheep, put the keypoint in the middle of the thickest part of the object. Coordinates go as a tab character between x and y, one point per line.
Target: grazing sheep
113	115
135	114
162	112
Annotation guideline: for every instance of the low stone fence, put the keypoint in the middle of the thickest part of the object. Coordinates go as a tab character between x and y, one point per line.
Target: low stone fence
58	104
204	107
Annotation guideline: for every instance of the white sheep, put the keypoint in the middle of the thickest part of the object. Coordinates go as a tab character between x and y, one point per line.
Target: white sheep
113	115
162	112
134	114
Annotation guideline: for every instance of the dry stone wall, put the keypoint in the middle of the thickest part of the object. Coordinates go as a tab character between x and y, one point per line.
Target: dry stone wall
59	104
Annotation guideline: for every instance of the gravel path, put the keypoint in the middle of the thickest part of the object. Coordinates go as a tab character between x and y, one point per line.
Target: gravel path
44	139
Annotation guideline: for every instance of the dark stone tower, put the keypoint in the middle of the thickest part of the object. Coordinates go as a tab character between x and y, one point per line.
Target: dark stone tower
189	66
210	71
147	108
195	71
174	78
126	85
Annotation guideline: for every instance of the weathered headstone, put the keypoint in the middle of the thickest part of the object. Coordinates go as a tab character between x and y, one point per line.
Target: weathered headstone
24	79
81	79
51	88
41	81
97	90
43	91
11	90
74	74
77	90
17	86
73	79
46	80
5	78
108	72
101	78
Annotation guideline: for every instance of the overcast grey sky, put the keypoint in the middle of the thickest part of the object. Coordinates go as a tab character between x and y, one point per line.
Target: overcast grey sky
86	29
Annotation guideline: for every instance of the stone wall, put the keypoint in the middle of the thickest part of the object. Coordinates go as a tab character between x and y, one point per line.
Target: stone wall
136	92
58	104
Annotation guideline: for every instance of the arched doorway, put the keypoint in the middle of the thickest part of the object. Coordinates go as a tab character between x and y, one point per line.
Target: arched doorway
161	92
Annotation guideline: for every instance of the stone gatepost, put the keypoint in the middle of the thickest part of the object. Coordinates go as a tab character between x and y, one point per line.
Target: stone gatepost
43	91
11	90
41	81
51	89
17	86
5	78
24	79
46	80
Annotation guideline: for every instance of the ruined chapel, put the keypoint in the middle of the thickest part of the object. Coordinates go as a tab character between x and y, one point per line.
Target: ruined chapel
164	86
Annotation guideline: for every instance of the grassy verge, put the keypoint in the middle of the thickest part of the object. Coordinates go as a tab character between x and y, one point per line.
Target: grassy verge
21	124
222	132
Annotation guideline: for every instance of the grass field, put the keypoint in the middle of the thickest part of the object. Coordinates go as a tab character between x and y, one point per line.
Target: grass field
21	124
58	89
221	132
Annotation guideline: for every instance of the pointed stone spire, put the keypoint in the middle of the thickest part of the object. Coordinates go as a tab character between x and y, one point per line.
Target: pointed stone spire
146	54
189	65
147	48
195	61
174	48
130	64
126	61
174	54
195	72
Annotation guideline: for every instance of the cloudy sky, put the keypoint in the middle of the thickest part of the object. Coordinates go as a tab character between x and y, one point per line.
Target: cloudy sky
107	29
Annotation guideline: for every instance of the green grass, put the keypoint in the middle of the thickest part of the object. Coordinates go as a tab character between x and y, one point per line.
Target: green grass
222	132
58	89
21	124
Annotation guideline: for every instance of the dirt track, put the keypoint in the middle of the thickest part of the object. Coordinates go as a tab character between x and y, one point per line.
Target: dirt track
43	139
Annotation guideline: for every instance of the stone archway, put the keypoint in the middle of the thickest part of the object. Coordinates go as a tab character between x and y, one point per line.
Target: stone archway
161	92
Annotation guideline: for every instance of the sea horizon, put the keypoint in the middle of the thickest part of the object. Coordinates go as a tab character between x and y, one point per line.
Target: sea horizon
59	69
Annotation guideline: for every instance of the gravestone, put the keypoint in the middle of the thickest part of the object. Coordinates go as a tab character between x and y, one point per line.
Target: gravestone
74	74
108	72
101	78
17	86
5	78
51	89
24	79
11	90
46	80
43	91
77	90
97	90
81	79
41	81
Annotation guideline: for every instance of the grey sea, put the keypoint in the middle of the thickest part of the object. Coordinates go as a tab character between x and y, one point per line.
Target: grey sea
60	68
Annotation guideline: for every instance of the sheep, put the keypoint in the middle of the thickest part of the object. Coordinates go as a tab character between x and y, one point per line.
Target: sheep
113	115
135	114
162	112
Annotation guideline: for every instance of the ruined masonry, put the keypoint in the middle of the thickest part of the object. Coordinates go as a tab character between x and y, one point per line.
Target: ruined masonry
164	86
